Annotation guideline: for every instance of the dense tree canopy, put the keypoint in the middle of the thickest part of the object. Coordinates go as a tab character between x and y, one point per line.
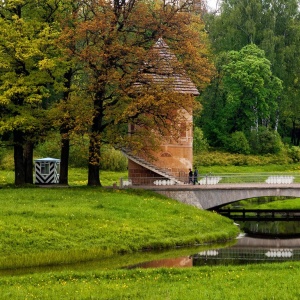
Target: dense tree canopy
251	89
86	57
26	44
246	96
274	27
112	41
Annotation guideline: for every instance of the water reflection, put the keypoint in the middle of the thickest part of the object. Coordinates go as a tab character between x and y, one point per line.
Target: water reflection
251	250
276	229
178	257
179	262
247	250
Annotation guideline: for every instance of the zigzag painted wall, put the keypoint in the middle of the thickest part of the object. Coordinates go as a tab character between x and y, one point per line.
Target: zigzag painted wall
47	171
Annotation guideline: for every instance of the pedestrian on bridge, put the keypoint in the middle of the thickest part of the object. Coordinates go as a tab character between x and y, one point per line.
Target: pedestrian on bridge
196	176
190	176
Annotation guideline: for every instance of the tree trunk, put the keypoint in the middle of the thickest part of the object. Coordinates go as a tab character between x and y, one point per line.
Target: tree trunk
293	134
93	175
95	141
28	162
94	162
18	158
64	131
64	161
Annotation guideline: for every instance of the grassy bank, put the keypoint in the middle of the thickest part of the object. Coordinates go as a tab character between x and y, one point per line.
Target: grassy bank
77	177
251	282
42	226
61	226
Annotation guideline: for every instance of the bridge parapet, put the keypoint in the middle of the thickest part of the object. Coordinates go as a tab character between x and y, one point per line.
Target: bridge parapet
215	179
230	188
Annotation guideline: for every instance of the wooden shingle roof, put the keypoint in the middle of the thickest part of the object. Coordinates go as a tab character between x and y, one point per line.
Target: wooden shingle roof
163	69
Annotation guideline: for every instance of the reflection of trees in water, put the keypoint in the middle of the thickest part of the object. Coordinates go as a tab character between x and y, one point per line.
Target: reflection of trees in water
272	229
253	202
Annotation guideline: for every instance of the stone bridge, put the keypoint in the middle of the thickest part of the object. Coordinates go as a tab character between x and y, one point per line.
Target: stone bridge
213	196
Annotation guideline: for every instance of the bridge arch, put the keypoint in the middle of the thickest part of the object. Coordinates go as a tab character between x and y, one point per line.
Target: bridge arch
208	197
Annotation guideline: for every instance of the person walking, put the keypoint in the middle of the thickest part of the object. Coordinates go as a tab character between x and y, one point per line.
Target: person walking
196	176
190	176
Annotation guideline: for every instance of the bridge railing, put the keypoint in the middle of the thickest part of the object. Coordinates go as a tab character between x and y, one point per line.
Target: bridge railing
216	178
266	178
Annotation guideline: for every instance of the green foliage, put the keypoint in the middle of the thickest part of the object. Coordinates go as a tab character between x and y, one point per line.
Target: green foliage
6	157
243	96
28	45
218	158
294	153
252	90
49	148
265	141
273	27
199	141
111	159
238	143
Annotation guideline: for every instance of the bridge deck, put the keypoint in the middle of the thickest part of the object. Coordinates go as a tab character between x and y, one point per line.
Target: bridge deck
220	186
208	196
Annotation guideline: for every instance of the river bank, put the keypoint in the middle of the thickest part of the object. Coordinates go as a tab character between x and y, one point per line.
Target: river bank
62	226
68	225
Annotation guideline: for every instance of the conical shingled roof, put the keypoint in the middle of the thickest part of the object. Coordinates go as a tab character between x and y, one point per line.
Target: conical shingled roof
163	69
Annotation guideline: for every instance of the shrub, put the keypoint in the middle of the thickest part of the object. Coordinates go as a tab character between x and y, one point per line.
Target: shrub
111	159
49	148
265	141
294	153
218	158
6	157
238	143
199	142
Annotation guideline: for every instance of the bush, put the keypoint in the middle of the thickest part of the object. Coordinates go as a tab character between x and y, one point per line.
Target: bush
265	141
218	158
49	148
199	142
6	157
111	159
238	143
294	153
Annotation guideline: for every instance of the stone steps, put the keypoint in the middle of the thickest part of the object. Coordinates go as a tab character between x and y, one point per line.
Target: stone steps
142	162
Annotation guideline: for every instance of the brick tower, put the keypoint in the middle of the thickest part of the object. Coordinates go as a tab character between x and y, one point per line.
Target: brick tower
174	157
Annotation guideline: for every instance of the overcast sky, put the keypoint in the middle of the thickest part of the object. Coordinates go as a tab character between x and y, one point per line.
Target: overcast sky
212	3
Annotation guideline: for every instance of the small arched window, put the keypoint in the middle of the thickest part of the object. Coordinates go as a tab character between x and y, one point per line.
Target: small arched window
165	154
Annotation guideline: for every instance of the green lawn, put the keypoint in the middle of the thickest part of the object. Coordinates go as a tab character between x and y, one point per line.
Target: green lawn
47	226
77	177
250	282
62	226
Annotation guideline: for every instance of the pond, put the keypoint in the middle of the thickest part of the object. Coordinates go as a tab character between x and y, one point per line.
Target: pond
252	250
246	250
261	242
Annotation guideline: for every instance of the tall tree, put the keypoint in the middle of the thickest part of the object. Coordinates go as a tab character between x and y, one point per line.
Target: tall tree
251	90
272	25
26	42
114	38
66	16
243	97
